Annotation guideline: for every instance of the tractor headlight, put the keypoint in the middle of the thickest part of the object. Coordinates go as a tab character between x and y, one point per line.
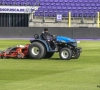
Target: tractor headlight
78	41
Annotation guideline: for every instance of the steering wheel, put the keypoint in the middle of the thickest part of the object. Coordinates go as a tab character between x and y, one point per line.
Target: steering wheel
36	36
53	38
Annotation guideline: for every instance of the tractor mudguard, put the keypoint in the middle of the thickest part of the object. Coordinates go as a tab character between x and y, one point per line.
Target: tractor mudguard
43	42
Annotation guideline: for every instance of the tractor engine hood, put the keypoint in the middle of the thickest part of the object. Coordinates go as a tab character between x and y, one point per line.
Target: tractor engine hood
65	39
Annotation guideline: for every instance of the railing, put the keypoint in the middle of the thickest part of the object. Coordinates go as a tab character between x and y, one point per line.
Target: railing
98	19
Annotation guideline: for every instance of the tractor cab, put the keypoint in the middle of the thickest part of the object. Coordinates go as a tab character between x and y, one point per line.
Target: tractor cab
50	48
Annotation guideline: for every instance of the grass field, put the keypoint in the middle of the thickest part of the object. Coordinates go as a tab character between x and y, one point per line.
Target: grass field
51	74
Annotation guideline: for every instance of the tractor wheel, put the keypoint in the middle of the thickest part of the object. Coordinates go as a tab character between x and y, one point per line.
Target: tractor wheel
65	54
20	56
1	55
27	57
49	54
4	57
36	50
76	55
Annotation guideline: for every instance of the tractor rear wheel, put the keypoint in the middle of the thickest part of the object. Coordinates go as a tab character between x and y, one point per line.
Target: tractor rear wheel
20	56
1	54
65	54
36	50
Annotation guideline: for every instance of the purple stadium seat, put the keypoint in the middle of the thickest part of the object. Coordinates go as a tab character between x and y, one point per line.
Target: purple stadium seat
44	7
56	1
81	1
87	4
84	8
59	7
46	14
91	1
40	9
97	4
74	8
64	8
71	1
76	1
51	1
96	1
89	8
82	4
46	1
66	1
86	1
53	4
57	4
65	14
98	8
62	4
95	8
60	12
22	3
77	4
68	4
47	4
60	1
54	7
72	4
48	7
69	8
42	3
77	7
92	4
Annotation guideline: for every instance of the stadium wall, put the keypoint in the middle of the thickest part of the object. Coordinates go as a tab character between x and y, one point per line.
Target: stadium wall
28	32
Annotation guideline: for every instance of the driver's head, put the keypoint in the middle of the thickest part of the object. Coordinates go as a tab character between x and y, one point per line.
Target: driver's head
45	30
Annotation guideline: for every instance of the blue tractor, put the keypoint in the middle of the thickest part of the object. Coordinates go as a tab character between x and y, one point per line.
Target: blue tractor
67	48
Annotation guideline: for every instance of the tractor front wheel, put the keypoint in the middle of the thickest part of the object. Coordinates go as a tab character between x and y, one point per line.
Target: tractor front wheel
65	54
76	55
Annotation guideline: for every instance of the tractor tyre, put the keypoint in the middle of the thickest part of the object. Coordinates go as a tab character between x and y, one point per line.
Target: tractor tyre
4	57
49	55
20	56
65	54
1	55
36	50
76	55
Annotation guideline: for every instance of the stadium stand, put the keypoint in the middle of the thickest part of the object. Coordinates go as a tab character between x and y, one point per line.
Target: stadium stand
79	8
82	11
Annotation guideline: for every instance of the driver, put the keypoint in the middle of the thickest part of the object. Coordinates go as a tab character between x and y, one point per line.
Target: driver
45	35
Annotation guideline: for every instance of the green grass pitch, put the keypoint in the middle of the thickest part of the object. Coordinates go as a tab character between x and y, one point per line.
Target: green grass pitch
51	74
